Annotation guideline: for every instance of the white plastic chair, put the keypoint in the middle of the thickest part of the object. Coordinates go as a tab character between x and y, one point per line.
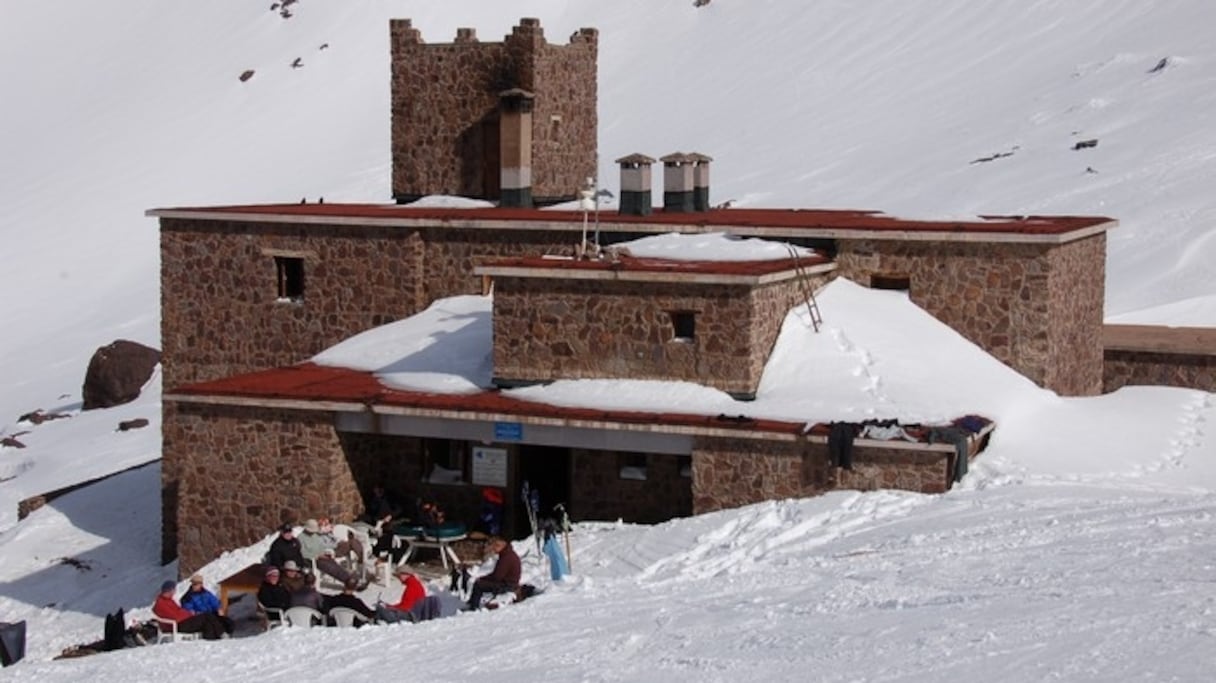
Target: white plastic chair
345	617
167	631
302	617
272	616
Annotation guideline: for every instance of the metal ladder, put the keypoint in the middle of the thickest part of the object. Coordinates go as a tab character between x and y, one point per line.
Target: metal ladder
808	293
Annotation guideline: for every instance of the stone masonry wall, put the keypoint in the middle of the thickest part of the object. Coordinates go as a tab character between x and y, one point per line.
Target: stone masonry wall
599	493
1077	294
230	475
445	103
729	473
220	311
1013	300
576	329
451	254
1125	368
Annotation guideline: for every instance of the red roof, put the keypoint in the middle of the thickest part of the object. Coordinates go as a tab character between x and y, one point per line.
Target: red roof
311	382
808	219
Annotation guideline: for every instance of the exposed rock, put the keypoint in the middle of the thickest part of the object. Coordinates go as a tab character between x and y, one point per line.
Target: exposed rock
128	425
1086	144
11	442
38	417
246	75
299	62
117	373
1165	61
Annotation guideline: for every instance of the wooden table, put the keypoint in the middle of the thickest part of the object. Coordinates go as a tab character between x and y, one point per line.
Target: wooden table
248	580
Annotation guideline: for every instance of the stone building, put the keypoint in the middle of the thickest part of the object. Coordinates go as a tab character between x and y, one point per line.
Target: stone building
513	122
255	434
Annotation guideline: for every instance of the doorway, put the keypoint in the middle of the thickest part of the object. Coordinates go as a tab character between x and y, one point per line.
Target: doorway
546	469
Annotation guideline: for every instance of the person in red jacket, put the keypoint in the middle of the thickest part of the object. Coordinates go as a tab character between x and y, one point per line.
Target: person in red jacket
412	597
206	623
504	578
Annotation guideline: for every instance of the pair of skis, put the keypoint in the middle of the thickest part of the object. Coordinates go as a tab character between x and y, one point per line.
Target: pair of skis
531	498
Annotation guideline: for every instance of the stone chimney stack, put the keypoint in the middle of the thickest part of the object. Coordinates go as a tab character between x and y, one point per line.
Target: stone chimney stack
700	181
677	182
635	184
515	147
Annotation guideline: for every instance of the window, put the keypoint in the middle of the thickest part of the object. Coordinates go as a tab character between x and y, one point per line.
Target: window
445	461
895	281
683	326
633	466
684	466
290	271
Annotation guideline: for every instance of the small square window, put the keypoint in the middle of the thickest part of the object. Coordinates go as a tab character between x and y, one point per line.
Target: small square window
447	461
633	466
684	466
683	326
290	272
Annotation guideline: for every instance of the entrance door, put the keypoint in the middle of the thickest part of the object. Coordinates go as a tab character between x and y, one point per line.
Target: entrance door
547	470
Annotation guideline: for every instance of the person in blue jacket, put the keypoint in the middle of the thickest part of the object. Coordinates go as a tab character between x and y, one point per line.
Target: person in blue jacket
202	601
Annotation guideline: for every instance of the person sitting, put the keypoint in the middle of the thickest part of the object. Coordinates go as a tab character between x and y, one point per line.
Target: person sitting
273	595
166	607
349	600
503	579
293	578
379	506
320	548
307	595
414	605
285	548
199	600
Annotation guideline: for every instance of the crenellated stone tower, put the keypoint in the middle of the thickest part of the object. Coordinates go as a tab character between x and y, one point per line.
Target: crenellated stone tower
513	122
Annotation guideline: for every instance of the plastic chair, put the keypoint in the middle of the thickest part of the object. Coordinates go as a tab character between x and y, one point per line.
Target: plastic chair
167	631
271	616
303	617
345	617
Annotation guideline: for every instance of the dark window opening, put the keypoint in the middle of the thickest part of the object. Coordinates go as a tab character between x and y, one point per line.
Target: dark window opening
633	466
445	461
684	325
894	281
291	277
684	466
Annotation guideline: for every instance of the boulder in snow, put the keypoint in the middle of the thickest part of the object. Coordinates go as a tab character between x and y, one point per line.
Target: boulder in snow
117	372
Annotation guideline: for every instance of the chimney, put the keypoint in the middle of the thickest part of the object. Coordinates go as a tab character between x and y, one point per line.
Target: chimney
677	182
515	147
635	185
700	181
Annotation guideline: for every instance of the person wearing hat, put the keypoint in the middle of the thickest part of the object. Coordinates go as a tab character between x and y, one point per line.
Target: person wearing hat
320	547
199	600
273	594
503	579
285	548
293	578
207	623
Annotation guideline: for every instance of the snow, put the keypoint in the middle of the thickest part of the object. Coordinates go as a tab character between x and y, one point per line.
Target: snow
1078	547
713	246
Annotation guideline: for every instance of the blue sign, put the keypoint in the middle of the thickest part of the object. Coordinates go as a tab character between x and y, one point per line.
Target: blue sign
508	431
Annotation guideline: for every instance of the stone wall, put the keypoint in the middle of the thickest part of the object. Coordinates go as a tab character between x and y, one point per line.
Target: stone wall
220	310
1076	300
451	254
599	493
231	475
1124	368
546	329
1036	308
445	111
729	473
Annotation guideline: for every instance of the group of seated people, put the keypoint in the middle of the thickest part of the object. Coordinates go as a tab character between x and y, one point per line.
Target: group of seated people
289	582
198	611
